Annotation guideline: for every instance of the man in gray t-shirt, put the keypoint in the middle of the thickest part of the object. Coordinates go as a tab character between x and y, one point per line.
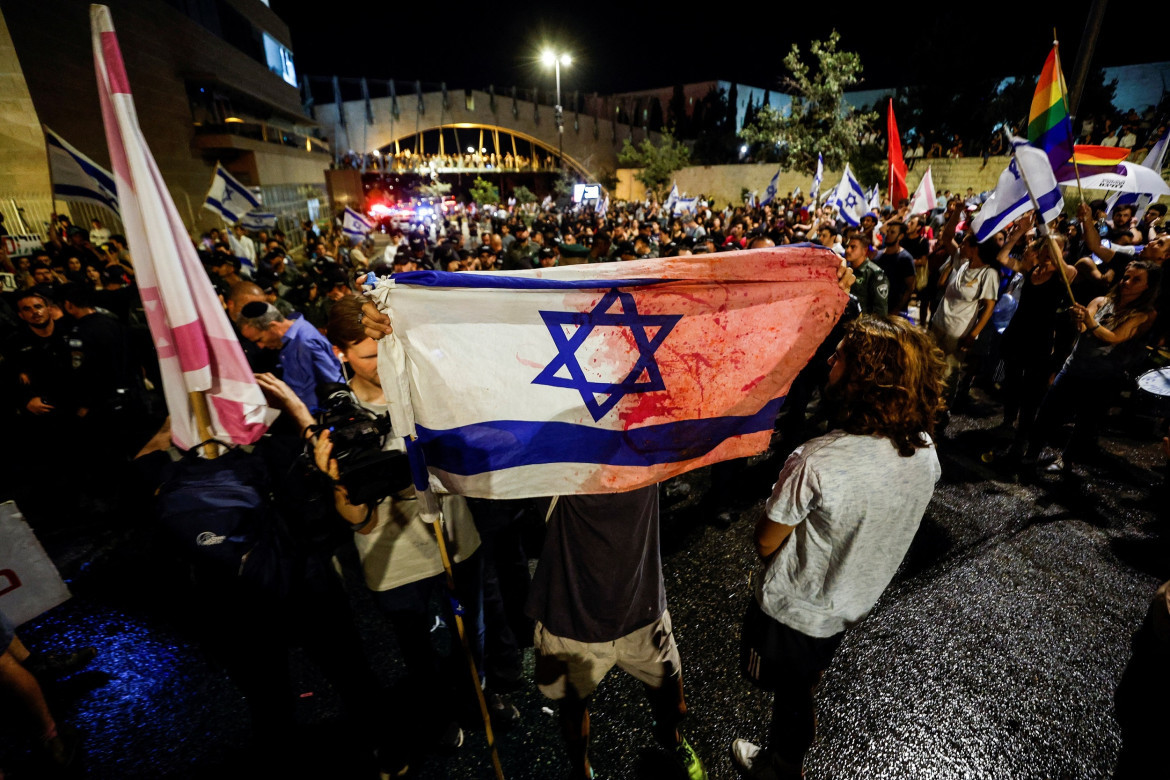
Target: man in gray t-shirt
840	519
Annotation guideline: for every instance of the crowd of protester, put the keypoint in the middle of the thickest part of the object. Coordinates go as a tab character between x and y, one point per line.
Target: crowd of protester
1055	328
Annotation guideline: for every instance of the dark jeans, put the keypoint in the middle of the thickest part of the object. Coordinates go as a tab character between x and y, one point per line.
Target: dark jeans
793	725
251	632
1025	380
431	687
506	581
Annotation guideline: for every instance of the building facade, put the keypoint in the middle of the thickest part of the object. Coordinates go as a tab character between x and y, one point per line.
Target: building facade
213	81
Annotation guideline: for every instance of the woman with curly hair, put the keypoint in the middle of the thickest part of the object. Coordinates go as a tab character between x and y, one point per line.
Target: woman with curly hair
840	519
1094	373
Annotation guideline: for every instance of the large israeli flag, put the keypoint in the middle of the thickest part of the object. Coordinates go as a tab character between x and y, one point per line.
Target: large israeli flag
354	225
850	199
770	193
1027	183
599	378
228	198
78	178
815	189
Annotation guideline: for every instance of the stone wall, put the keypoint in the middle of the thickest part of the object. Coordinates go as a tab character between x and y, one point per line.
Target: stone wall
725	182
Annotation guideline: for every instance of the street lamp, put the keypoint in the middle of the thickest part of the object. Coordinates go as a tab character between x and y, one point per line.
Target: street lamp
550	57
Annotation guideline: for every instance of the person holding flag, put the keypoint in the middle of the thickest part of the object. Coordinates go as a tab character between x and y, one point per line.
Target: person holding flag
815	190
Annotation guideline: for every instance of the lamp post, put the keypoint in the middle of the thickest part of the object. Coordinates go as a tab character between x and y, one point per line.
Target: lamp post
550	57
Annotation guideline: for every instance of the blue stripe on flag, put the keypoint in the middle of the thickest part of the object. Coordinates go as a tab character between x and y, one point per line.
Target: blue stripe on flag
90	170
992	226
67	191
483	281
505	444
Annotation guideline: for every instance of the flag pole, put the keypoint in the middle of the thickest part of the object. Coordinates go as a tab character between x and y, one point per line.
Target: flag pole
449	571
1064	99
483	710
203	423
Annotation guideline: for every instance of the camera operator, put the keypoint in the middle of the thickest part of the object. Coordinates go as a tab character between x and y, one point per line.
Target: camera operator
282	593
400	555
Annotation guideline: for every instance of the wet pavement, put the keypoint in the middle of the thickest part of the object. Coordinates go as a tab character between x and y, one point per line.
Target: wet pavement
995	653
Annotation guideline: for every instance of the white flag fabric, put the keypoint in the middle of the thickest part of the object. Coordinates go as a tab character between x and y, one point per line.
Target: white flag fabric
1027	178
671	199
197	349
258	220
76	177
924	198
686	205
874	196
815	189
1154	161
599	378
355	225
850	199
228	198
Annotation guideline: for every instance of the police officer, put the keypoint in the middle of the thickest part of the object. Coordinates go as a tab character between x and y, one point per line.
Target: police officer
872	288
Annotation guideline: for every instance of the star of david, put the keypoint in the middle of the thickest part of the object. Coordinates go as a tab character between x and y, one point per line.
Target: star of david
600	316
850	200
227	195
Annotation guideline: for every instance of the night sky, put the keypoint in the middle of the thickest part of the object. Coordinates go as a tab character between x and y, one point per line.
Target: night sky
622	47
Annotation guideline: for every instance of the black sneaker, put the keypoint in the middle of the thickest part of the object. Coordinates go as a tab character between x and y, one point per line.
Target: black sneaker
504	713
450	737
58	664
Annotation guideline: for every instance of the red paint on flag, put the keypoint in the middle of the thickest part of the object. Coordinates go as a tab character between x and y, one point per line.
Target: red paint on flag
115	67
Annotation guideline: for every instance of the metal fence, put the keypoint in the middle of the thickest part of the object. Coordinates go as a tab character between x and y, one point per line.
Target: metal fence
292	205
30	214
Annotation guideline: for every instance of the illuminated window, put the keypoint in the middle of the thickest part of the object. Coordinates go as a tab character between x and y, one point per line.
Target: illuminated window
279	59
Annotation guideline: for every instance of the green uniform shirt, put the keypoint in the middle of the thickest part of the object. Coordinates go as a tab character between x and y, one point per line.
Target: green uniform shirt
872	289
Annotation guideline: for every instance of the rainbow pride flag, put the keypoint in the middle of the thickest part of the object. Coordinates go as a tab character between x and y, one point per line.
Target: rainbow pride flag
1049	126
1099	155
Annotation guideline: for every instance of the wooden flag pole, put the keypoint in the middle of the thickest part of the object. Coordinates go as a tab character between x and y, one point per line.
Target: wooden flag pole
483	710
203	423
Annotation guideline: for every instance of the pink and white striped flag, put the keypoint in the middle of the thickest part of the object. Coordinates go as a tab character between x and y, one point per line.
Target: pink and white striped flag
197	349
924	198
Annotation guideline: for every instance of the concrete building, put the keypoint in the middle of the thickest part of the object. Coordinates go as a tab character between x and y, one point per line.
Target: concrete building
213	80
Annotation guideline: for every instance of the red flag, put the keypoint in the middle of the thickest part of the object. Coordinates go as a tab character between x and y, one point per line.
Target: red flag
197	350
896	188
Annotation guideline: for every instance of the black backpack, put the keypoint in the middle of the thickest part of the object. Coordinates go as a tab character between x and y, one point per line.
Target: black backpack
221	514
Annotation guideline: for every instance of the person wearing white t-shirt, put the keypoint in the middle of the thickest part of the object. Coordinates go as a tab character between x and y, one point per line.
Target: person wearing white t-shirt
970	282
838	524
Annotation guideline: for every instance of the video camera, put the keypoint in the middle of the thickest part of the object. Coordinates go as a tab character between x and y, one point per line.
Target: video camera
368	473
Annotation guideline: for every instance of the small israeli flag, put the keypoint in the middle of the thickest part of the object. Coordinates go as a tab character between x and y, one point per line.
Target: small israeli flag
228	198
770	193
258	220
850	198
873	197
354	225
815	189
671	199
1141	200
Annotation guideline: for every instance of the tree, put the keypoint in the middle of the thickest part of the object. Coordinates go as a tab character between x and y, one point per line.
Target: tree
820	121
523	195
714	129
657	161
563	184
484	192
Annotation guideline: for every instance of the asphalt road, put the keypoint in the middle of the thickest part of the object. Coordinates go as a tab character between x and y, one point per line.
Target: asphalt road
996	652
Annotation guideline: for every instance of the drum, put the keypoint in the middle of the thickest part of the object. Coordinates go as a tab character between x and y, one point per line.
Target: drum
1154	386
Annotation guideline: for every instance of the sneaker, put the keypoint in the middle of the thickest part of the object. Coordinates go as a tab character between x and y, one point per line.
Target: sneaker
691	766
757	764
450	738
1058	466
504	713
59	664
59	752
